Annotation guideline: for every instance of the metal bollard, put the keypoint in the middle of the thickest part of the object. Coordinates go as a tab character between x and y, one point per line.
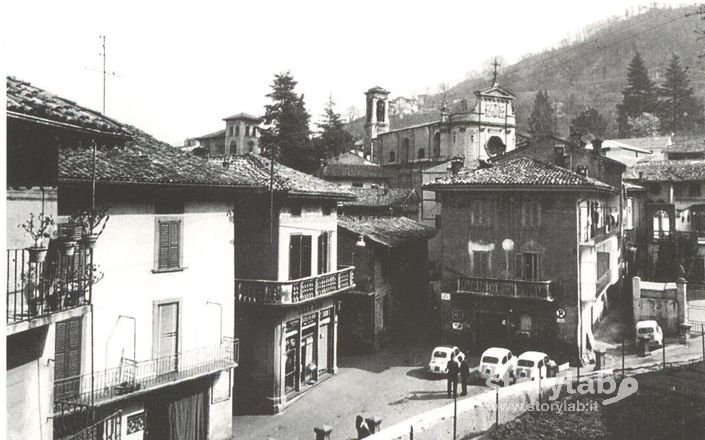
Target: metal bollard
323	432
374	424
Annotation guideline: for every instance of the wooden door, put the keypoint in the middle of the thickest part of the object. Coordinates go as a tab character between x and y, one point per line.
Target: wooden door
167	337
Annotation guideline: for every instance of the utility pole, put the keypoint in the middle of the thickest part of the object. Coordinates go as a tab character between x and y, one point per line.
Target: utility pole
103	54
104	70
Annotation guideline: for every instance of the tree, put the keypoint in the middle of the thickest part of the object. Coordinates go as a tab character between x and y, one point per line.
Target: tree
334	139
288	134
589	121
679	108
638	97
541	118
644	125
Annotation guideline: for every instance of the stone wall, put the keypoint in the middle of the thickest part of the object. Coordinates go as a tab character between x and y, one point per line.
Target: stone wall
664	302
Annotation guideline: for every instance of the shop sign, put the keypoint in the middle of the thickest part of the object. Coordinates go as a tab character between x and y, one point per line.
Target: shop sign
292	325
457	326
445	296
309	319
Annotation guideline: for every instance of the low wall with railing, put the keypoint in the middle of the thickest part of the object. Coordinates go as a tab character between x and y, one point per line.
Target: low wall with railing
133	376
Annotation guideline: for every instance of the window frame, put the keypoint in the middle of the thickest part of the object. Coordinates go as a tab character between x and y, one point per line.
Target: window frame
528	220
482	213
168	218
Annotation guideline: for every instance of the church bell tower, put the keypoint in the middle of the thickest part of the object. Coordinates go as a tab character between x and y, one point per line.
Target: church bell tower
376	116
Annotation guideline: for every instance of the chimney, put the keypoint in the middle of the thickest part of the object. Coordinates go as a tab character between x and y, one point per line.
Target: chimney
597	146
456	164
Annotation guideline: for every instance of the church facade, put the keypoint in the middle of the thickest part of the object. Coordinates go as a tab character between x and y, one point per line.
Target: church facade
483	131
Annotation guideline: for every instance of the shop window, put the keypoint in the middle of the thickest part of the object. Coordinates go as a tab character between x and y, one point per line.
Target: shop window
525	324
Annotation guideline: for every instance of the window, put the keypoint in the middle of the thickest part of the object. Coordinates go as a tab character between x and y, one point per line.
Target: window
230	130
531	214
67	356
247	130
237	130
527	266
250	146
661	225
405	150
326	210
254	131
694	190
421	154
299	256
392	157
438	221
525	323
436	144
380	111
481	263
168	244
481	213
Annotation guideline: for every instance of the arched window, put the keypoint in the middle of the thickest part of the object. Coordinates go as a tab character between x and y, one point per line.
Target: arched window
392	157
405	150
662	225
380	111
437	144
421	154
495	146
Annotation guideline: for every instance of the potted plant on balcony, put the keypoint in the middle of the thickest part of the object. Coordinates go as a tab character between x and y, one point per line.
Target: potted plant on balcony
69	238
38	227
92	223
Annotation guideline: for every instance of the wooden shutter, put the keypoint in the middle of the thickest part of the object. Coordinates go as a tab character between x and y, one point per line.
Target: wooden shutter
169	244
294	256
323	246
306	256
67	356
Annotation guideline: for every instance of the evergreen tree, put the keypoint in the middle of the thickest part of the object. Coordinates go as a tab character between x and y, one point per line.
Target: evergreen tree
679	109
288	133
638	97
541	118
589	121
334	139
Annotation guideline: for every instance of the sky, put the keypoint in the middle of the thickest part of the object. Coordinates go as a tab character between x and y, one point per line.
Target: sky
180	68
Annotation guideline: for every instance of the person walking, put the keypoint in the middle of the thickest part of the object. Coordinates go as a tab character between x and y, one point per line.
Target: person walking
453	368
464	376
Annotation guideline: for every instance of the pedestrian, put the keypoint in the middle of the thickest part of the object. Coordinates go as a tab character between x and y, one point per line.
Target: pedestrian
453	377
361	427
464	375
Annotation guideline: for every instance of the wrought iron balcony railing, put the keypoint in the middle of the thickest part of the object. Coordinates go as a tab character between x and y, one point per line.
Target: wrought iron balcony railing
40	289
294	291
133	376
541	290
107	428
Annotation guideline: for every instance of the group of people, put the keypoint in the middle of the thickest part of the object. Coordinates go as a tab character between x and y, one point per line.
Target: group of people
455	368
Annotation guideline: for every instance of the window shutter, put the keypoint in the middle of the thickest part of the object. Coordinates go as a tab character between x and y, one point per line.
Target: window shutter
74	351
174	243
163	245
60	351
518	266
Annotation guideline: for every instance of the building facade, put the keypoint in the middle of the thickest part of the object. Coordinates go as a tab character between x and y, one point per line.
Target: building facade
529	250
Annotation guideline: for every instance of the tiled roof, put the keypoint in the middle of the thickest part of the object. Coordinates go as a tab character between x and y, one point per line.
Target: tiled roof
382	197
648	143
26	100
144	159
692	145
521	172
667	171
296	182
215	134
349	159
387	231
358	171
147	160
243	116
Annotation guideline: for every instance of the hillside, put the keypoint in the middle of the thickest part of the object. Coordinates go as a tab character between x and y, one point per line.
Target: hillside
592	70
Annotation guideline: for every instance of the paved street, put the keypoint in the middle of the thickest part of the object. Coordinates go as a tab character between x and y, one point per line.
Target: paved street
391	384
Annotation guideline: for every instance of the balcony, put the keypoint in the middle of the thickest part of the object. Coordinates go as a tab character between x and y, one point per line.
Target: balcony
74	421
294	291
539	290
138	377
38	290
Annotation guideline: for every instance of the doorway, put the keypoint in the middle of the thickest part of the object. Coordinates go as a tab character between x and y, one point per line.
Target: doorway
490	329
167	337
